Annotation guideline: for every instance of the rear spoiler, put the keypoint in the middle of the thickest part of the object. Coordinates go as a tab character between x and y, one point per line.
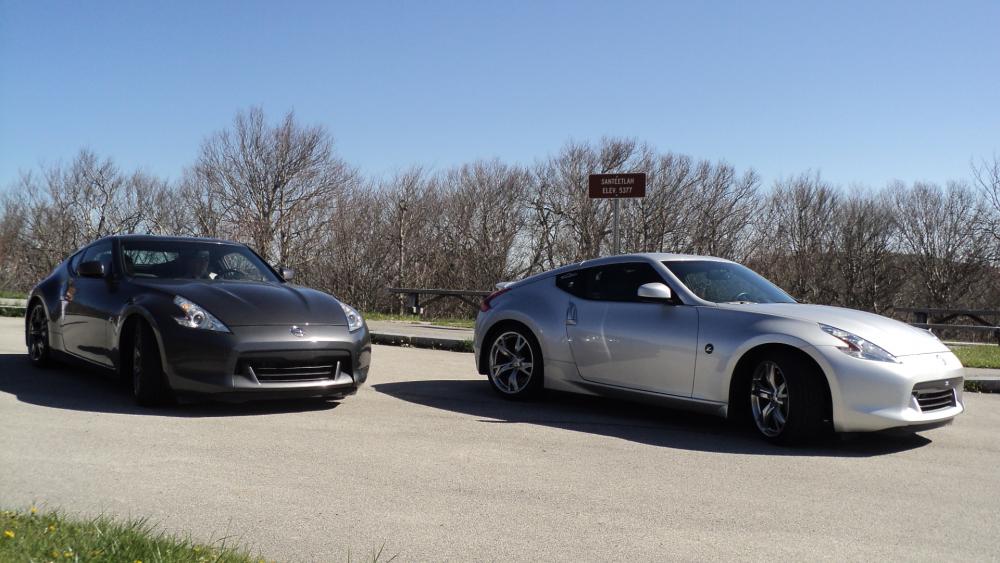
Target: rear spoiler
505	285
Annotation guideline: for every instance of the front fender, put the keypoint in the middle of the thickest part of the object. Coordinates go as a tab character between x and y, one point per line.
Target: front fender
733	334
135	310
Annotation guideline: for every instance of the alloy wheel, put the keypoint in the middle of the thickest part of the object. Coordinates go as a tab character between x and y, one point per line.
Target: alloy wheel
769	399
137	361
38	334
511	362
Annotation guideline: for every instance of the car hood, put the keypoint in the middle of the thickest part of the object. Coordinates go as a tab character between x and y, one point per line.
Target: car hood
241	303
899	339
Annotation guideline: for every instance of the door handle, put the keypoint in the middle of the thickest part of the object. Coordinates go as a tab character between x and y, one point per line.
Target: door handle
571	314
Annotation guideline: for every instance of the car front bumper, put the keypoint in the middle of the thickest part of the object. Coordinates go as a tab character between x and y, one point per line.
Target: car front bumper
921	390
266	361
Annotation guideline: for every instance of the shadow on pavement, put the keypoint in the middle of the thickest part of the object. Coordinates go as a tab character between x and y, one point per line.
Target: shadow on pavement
644	424
81	388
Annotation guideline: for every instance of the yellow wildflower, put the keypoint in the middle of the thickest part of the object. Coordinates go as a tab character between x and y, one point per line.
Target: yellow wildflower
34	510
8	533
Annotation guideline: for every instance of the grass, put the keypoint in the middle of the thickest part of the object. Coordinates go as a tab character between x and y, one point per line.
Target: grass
443	321
8	311
979	356
35	536
30	535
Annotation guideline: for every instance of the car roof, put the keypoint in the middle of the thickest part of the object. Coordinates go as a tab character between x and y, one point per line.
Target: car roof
168	238
617	259
653	256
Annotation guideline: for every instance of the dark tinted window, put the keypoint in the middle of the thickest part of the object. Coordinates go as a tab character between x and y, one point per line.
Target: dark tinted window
616	282
620	282
573	282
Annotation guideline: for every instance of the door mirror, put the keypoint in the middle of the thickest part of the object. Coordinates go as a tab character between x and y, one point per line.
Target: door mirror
655	292
91	269
286	273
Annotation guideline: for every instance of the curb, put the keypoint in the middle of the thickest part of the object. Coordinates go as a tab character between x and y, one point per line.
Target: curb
982	385
449	344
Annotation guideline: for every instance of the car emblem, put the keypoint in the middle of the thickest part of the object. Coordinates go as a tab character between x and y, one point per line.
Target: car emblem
297	331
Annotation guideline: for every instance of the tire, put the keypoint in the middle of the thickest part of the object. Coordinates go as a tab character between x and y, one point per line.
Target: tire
36	336
786	399
514	364
149	383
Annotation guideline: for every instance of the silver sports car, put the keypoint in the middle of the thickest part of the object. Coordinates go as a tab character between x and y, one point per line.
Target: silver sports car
712	335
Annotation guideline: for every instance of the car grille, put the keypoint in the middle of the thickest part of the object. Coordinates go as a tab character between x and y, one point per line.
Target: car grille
935	395
289	367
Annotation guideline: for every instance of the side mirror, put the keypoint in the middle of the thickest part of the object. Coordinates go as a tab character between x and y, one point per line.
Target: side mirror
91	269
655	292
286	273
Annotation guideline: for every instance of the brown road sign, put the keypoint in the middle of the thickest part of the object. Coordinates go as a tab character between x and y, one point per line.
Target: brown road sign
603	186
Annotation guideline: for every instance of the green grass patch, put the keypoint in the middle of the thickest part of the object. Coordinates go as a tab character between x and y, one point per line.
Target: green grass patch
979	356
441	321
30	535
6	294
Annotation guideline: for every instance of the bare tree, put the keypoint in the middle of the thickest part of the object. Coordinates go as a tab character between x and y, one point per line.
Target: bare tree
943	249
270	185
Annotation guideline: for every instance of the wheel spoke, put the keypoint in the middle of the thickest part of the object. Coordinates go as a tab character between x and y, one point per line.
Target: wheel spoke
502	348
765	414
512	381
779	418
498	369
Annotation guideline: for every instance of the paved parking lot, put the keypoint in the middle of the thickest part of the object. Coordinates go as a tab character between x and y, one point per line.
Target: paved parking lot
427	461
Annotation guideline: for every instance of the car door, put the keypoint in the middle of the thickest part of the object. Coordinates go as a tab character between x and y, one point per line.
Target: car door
90	304
616	339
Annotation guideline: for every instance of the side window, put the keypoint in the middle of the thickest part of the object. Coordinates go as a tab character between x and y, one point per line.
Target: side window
620	282
100	252
74	261
573	283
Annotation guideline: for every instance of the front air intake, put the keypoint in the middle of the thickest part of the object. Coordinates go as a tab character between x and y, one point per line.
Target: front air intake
935	395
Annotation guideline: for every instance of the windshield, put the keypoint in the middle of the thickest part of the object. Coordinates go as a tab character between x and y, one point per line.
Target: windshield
192	260
725	282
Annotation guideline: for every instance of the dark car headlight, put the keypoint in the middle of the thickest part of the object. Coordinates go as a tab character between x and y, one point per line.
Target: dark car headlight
197	317
354	320
857	346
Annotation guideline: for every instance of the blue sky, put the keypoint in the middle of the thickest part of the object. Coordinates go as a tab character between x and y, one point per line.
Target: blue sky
865	91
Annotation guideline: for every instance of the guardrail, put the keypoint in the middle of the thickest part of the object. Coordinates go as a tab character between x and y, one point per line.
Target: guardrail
469	296
936	318
13	303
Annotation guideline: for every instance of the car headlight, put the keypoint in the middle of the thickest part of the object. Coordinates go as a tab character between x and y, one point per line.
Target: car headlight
197	317
354	320
857	346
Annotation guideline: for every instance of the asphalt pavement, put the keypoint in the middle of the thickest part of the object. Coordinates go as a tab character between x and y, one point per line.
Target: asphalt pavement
427	461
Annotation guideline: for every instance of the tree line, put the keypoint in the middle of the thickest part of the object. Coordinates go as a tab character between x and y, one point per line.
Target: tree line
281	188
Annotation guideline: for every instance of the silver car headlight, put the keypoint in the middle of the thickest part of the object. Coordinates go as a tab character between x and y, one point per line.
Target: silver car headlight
857	346
197	317
354	320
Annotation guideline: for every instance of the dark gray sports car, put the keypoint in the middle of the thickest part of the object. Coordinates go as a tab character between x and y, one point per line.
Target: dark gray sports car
178	315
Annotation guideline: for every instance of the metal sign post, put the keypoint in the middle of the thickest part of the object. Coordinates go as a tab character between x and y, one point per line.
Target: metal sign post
616	246
615	187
